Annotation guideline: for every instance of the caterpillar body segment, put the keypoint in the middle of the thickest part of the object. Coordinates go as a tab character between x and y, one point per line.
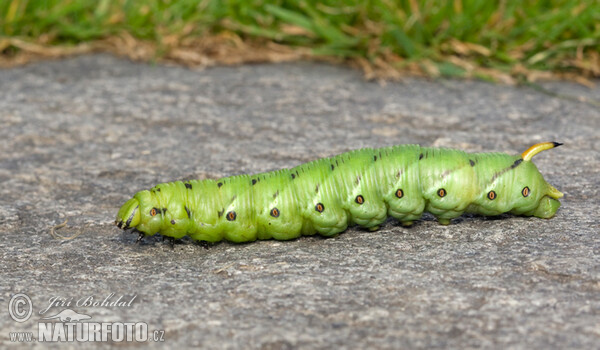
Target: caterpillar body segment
361	187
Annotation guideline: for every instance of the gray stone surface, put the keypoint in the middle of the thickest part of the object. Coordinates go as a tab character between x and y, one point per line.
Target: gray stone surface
78	137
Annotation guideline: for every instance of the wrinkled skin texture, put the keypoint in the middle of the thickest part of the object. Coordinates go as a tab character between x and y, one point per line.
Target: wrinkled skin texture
360	187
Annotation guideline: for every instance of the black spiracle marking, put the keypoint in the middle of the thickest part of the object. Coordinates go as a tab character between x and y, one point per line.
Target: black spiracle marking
359	199
274	212
231	216
188	185
319	207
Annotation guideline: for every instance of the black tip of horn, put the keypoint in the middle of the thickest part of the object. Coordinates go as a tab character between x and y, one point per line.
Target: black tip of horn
556	144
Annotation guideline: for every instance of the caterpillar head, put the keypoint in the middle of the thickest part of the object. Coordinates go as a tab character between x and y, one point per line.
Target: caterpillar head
537	197
129	214
142	212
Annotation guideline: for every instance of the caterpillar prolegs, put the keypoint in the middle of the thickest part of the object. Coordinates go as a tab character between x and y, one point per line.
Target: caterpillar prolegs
360	187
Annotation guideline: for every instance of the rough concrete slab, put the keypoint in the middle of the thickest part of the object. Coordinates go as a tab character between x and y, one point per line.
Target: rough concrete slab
79	136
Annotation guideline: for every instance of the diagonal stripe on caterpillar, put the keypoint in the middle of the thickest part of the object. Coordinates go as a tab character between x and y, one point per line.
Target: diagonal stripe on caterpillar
360	187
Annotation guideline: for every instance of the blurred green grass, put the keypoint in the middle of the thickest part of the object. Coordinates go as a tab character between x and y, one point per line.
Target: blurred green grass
488	39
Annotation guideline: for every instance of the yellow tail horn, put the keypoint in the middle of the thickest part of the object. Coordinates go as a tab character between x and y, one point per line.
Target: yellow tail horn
537	148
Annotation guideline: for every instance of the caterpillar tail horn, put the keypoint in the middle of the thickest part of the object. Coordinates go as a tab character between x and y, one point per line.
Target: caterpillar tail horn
549	204
537	148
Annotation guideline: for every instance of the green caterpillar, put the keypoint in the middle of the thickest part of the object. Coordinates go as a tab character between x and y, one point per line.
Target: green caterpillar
359	187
